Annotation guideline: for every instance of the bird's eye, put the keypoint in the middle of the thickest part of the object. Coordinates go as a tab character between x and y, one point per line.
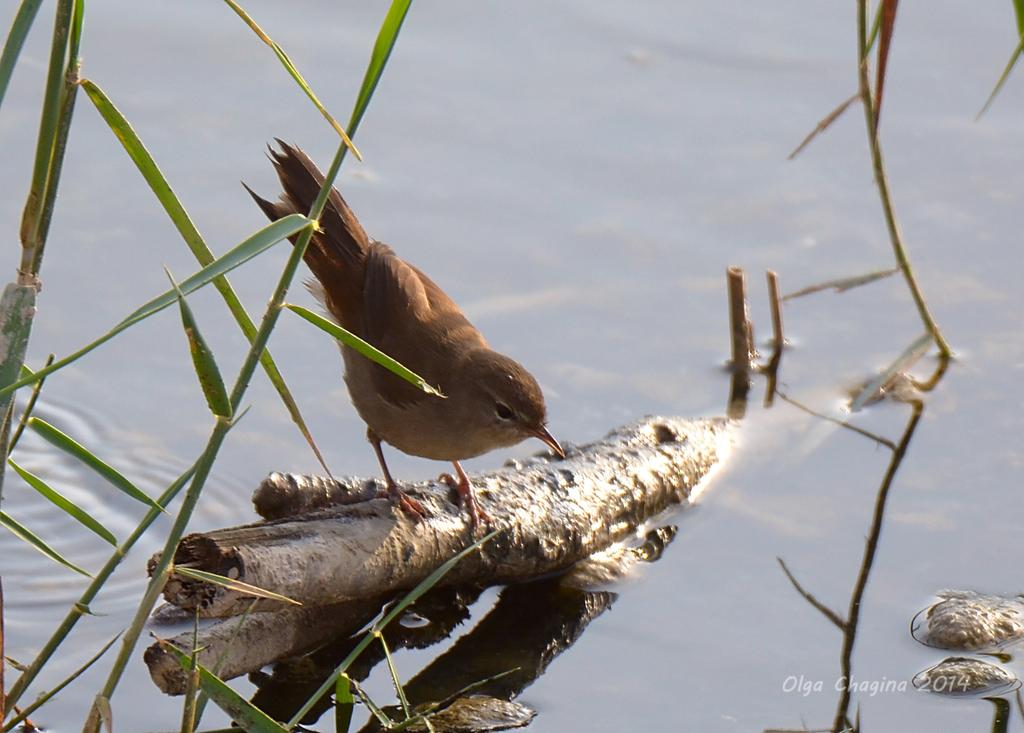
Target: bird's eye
503	411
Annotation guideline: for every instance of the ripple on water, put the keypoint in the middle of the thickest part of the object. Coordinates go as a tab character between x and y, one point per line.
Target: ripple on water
38	587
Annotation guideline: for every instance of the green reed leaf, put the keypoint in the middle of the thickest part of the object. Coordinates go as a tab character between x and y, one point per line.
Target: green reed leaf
45	697
243	712
33	539
411	597
203	361
387	36
161	188
294	73
1017	52
233	584
370	352
15	40
64	504
259	242
69	445
344	703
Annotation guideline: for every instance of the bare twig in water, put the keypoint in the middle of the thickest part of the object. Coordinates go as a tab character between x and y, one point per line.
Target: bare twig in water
771	369
871	546
860	431
929	384
841	285
825	610
823	125
742	336
775	301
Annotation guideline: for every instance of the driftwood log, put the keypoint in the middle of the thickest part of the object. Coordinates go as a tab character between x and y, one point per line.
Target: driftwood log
330	545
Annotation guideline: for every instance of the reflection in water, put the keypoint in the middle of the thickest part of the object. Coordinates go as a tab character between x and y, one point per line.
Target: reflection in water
511	647
848	625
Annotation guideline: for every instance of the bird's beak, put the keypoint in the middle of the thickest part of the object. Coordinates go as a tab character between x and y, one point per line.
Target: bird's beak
549	440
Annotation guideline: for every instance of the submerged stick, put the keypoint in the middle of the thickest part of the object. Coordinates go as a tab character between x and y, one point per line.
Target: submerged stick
549	514
741	331
771	369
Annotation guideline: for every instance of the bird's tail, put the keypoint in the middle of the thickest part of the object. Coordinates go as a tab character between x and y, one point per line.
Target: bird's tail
337	253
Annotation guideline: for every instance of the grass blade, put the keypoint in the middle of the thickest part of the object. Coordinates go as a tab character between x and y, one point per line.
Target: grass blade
188	709
100	712
33	539
263	240
393	671
31	223
233	584
823	125
294	73
31	405
382	717
204	464
219	662
64	504
842	284
259	242
203	361
161	188
888	11
370	352
15	40
57	438
876	24
429	582
243	712
344	703
1003	77
382	47
47	696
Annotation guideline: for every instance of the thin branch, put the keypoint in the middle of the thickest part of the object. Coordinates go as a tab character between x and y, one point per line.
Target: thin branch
870	548
771	369
841	285
825	610
860	431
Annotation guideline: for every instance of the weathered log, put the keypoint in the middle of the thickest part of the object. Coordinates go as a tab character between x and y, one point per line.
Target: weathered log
246	643
549	514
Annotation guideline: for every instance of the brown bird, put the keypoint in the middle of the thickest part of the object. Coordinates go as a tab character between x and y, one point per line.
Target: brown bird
491	400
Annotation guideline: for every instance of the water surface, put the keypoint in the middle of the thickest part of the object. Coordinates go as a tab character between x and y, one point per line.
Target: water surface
578	176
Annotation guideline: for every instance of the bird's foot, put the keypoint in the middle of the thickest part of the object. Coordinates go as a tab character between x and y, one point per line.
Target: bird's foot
477	516
415	510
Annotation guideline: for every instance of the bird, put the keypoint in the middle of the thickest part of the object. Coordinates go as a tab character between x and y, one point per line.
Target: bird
490	400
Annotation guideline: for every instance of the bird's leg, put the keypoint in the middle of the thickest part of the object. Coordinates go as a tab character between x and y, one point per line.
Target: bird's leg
405	502
462	485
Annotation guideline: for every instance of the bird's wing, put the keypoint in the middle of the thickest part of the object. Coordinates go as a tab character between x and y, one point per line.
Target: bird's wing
411	319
